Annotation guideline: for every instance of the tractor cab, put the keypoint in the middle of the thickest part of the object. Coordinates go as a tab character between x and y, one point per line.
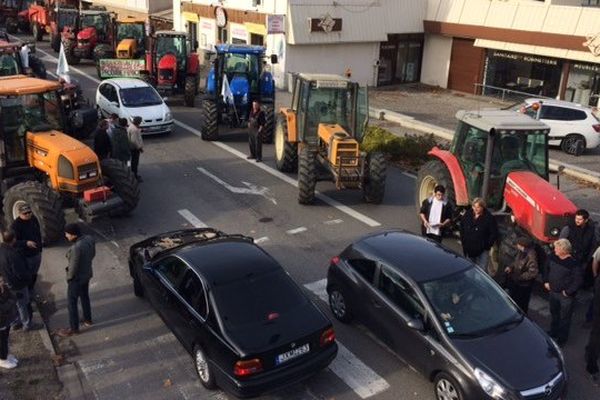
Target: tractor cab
67	17
130	38
94	27
327	105
490	144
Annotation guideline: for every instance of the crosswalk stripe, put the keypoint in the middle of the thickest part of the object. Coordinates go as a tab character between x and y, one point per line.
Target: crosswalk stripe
357	375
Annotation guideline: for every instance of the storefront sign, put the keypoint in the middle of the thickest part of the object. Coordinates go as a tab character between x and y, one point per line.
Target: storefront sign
325	24
221	17
275	24
238	31
593	43
587	68
524	57
207	33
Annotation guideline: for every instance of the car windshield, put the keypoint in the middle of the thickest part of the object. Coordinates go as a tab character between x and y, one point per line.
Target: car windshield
470	304
140	97
253	299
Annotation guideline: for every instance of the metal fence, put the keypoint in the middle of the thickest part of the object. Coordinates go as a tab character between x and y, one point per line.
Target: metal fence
504	94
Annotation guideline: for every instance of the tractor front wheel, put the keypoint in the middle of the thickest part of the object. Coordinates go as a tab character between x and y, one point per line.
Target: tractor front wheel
45	203
70	45
307	175
268	133
374	185
190	90
433	173
209	120
122	181
286	152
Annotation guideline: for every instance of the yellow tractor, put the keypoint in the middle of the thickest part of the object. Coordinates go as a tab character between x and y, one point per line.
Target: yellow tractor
320	135
129	43
48	169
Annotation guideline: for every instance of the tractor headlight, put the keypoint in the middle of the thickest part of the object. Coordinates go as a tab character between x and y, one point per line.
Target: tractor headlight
489	385
65	168
554	231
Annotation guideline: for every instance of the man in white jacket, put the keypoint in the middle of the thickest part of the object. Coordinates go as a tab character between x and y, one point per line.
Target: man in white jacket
136	145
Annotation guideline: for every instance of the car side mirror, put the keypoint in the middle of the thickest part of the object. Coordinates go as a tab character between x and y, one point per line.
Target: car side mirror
274	59
416	324
165	98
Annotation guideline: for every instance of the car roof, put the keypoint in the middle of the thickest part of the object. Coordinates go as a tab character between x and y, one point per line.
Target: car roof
226	260
413	255
558	103
487	120
127	83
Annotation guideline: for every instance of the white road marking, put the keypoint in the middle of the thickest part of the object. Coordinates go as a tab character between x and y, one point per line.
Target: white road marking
349	368
192	219
328	200
261	240
251	189
333	222
296	230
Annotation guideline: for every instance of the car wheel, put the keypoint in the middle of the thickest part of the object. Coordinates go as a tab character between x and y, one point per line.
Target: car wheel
573	144
339	306
446	388
203	369
138	289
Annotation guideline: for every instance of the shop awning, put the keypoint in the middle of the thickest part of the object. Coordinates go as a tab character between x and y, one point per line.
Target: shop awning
190	16
257	29
585	56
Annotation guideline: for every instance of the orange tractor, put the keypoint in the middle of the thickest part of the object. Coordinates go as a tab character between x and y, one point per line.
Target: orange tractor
51	17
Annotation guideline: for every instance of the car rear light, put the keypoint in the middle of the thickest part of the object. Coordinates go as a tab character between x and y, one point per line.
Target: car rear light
327	337
335	260
247	367
596	127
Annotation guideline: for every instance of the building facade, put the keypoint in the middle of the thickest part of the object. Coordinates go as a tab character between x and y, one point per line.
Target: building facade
378	42
139	8
549	48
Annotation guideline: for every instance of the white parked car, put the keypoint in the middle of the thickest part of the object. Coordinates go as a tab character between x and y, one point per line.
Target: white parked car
130	98
573	127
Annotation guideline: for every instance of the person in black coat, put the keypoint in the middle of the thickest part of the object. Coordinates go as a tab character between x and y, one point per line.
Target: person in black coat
433	223
478	233
102	144
563	277
256	125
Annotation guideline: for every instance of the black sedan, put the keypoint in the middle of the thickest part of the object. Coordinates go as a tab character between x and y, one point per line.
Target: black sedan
248	326
445	317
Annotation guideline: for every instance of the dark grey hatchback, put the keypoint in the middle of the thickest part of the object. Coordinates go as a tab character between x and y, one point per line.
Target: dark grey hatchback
446	318
248	326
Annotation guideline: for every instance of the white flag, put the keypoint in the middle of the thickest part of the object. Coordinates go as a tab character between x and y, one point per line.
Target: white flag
62	69
25	56
226	91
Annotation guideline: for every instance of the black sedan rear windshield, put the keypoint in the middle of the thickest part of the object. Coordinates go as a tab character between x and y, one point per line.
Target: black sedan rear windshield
256	299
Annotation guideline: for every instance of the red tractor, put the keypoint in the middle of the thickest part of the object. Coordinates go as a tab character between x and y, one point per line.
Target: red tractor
94	38
50	17
501	157
9	14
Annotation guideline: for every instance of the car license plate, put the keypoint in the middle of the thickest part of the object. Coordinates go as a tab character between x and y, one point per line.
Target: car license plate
289	355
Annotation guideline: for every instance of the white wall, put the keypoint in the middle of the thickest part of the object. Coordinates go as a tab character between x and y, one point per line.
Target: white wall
143	6
334	59
436	60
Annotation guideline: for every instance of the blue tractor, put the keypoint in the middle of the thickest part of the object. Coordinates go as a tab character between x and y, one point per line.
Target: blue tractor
236	78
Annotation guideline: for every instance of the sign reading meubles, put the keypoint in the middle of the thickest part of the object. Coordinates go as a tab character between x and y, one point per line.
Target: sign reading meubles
115	68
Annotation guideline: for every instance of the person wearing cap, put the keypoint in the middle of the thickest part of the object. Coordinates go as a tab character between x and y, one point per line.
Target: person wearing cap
521	273
79	272
29	242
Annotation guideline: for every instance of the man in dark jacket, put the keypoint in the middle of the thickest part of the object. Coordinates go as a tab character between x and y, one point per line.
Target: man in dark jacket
580	234
120	142
256	126
433	223
592	350
563	277
79	273
102	145
29	242
522	273
14	268
478	233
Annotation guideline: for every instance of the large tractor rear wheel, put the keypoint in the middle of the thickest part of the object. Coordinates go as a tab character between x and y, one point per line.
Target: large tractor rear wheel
101	51
123	182
69	46
433	173
286	153
374	185
45	203
55	42
269	131
307	175
209	127
38	67
37	32
190	90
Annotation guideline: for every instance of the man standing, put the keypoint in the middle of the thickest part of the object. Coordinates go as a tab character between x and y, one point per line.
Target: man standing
522	273
29	241
102	146
592	350
120	142
256	126
16	273
435	214
79	273
562	278
478	233
136	145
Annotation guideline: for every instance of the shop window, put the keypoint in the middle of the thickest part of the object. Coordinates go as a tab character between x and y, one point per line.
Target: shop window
400	59
257	40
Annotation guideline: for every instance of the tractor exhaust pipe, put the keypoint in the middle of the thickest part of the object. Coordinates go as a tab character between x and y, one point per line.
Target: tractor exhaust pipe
488	164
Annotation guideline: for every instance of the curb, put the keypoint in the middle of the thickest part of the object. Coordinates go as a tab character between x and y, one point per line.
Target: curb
446	134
